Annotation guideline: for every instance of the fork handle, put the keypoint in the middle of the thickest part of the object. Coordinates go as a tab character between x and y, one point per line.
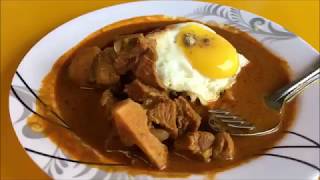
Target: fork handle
290	91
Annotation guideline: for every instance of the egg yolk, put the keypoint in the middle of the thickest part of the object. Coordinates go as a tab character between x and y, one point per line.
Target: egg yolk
209	53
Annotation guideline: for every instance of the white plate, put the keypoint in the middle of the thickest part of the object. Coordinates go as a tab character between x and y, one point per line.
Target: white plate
285	163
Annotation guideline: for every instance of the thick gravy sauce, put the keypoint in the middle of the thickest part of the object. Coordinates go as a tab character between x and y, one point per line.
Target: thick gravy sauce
91	131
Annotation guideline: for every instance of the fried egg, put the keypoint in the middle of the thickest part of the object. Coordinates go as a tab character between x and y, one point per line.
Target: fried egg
193	58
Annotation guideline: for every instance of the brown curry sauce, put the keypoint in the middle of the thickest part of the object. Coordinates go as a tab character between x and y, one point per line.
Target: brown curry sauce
83	113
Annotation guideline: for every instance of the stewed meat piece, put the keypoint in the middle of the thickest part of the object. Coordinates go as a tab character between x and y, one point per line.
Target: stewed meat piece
128	51
146	69
137	53
187	119
103	72
108	101
198	143
164	114
141	92
223	147
79	69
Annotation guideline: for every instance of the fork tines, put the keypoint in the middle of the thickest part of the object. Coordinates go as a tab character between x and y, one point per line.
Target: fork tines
249	127
218	111
230	120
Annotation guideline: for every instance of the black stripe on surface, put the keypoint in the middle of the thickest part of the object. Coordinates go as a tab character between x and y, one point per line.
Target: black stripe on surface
31	110
278	147
38	98
74	161
293	159
28	87
304	137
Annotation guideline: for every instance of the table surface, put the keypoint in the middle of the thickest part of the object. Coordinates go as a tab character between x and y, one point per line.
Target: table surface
23	23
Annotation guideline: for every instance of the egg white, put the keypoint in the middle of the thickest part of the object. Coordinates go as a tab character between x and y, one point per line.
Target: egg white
177	74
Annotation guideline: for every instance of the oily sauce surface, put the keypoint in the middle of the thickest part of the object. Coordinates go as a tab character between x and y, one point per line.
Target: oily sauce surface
81	108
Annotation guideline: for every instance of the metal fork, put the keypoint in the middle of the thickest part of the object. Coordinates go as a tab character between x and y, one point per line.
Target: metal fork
221	120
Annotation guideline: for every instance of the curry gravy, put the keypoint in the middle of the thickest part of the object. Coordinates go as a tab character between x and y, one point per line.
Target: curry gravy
83	113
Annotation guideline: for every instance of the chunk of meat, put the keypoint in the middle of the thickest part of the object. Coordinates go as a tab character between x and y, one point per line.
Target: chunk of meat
80	67
161	134
136	52
140	92
205	140
223	147
198	143
133	43
201	110
146	69
131	122
103	72
107	101
123	64
129	49
187	119
164	114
